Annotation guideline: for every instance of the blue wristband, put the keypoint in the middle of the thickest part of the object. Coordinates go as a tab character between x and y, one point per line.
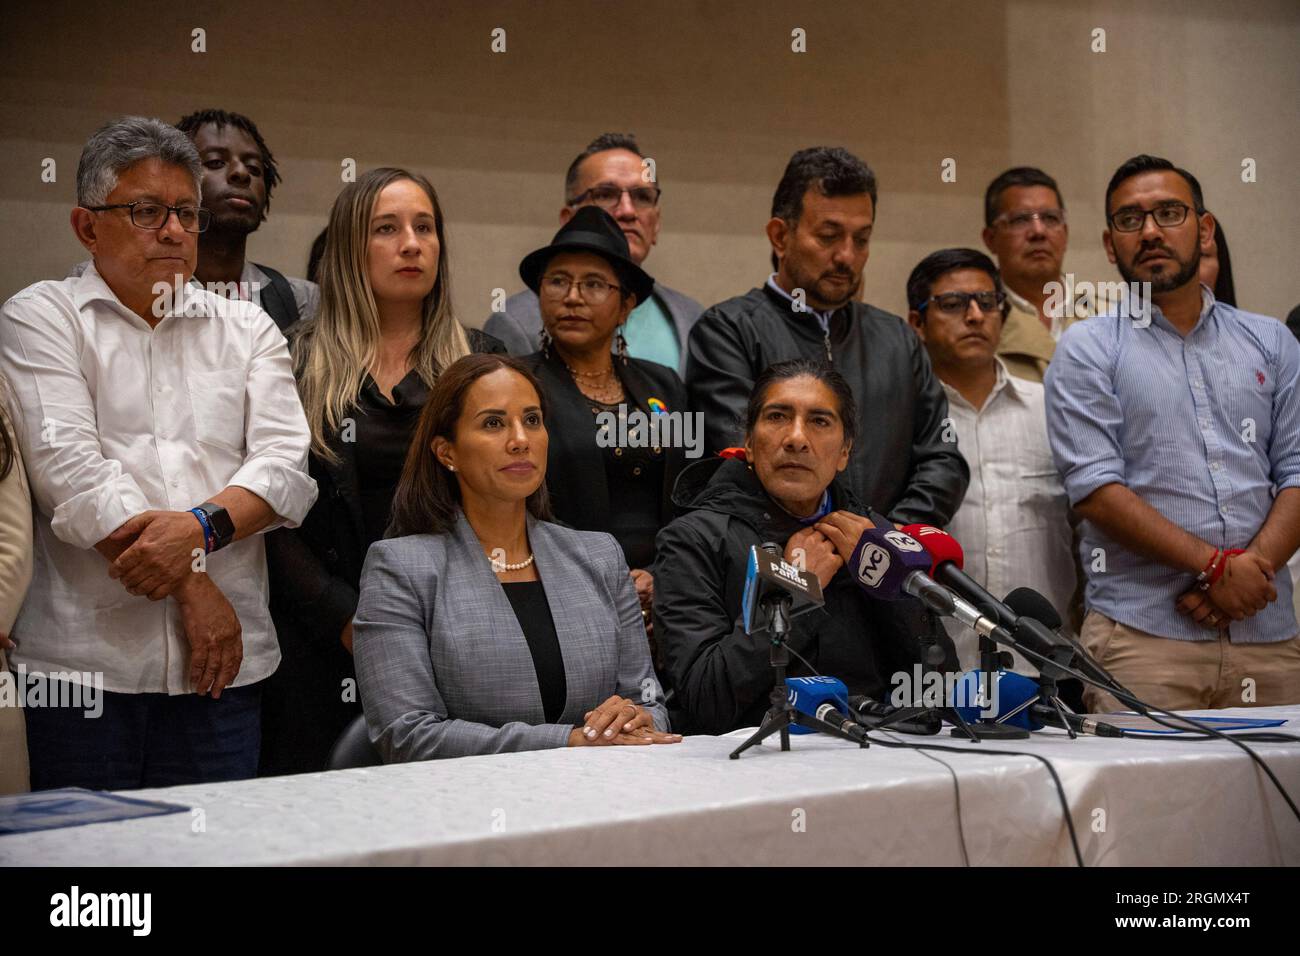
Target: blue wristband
209	535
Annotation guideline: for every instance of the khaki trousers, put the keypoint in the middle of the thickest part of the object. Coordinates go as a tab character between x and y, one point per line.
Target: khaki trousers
1189	675
13	736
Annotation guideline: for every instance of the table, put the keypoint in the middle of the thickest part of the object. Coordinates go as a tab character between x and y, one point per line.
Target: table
1134	802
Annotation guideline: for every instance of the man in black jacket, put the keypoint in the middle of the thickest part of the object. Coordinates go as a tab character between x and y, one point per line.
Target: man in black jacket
906	461
799	427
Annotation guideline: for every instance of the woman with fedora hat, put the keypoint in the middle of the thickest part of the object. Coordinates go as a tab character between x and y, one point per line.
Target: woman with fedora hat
607	470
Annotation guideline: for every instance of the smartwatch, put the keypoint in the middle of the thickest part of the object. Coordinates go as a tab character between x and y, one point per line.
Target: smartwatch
223	527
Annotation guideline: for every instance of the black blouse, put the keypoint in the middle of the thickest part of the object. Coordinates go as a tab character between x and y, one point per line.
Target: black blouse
383	434
528	598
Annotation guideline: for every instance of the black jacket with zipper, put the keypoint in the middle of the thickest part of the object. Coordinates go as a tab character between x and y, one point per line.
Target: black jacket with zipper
722	677
901	462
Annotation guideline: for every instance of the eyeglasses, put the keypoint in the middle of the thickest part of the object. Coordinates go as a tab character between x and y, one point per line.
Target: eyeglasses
608	197
1052	220
956	303
154	215
593	291
1167	215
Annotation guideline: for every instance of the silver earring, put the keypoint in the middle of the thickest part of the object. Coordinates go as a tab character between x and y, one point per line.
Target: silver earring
545	338
622	346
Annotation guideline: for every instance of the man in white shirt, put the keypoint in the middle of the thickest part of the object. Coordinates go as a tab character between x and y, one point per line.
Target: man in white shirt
1012	524
239	174
162	433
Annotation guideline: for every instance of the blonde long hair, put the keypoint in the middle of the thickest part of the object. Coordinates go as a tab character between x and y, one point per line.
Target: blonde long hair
333	352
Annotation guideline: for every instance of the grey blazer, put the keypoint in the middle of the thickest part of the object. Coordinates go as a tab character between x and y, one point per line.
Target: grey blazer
443	666
520	325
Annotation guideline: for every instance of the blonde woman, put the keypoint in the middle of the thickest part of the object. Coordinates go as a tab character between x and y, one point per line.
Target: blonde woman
364	366
15	574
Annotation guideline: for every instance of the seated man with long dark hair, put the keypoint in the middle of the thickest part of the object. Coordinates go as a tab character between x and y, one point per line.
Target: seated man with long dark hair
799	429
482	626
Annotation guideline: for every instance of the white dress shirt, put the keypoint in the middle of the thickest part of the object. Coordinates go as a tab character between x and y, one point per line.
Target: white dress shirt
115	418
1012	524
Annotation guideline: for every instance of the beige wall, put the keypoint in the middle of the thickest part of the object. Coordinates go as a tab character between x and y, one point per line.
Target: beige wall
714	93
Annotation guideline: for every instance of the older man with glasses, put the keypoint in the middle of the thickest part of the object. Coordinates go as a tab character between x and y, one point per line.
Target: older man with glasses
162	433
612	174
1025	228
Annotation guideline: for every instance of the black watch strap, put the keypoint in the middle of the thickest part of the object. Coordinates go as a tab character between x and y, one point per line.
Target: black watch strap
222	524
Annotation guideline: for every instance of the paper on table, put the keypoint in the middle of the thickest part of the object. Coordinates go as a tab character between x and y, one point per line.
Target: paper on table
1132	723
73	807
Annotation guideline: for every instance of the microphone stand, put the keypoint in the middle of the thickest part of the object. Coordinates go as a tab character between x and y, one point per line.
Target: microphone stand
932	656
1047	689
782	713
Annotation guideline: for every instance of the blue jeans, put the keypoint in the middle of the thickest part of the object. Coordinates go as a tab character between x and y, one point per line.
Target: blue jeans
146	740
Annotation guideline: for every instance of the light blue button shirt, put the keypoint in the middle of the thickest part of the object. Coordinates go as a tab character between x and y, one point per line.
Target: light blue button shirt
1205	429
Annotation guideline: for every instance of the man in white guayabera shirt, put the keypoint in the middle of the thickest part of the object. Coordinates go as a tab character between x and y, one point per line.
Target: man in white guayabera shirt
161	432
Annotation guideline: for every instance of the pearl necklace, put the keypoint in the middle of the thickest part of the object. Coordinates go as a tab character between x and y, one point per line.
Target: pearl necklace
501	569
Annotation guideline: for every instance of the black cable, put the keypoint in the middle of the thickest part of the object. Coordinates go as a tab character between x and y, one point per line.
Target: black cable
956	786
1146	709
1060	788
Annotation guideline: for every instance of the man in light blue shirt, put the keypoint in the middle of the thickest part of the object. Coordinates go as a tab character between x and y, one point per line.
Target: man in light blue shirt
1176	429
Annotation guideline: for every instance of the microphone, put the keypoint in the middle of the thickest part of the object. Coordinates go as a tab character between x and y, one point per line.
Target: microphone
1007	691
1028	603
871	713
770	582
948	561
825	698
1080	725
889	564
1024	630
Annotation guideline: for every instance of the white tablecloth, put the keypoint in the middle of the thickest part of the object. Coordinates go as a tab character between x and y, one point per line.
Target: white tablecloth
1133	802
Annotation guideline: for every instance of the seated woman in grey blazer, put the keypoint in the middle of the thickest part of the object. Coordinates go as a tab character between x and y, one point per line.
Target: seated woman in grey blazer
482	626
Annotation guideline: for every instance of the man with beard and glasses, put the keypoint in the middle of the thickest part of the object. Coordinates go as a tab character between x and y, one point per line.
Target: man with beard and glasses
1177	433
239	174
1026	230
823	213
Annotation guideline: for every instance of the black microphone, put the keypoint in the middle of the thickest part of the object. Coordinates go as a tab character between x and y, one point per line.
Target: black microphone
1080	725
871	713
831	714
1028	603
771	582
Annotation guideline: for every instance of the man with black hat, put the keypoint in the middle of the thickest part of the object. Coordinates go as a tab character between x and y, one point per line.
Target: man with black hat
906	462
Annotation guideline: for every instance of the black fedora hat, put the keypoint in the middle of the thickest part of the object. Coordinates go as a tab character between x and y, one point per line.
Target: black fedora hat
591	230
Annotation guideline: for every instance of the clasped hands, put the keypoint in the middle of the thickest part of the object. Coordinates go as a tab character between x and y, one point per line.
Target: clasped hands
155	552
825	547
1243	589
618	721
